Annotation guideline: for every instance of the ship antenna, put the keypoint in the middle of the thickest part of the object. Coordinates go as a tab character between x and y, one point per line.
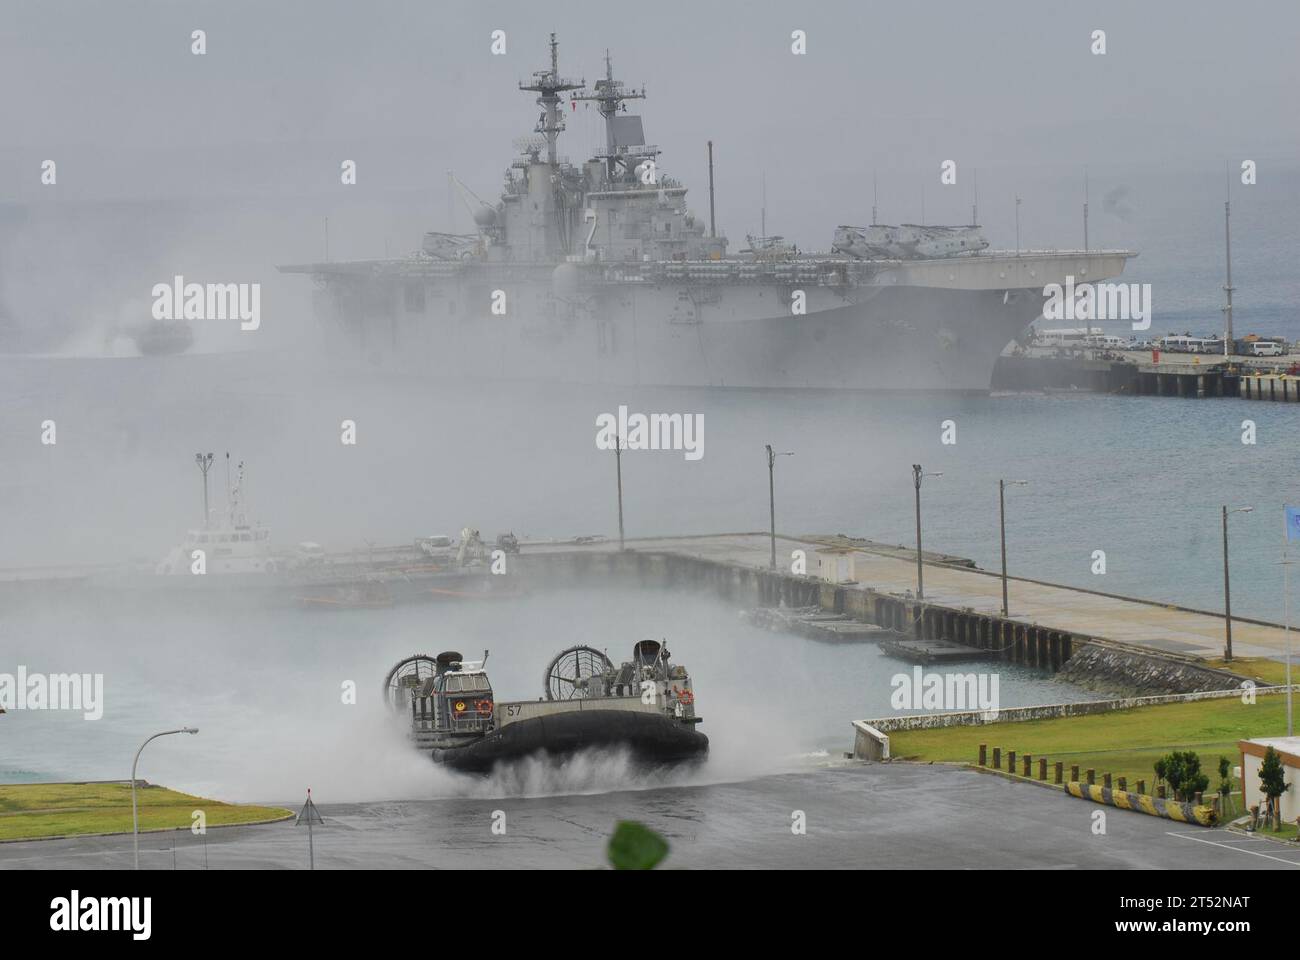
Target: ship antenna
975	204
1017	224
610	97
1085	209
873	198
549	85
713	230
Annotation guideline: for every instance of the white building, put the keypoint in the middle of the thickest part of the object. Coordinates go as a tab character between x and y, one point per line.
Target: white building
836	565
1252	755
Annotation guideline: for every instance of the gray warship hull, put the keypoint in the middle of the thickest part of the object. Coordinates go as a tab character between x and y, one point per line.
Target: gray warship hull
599	273
934	325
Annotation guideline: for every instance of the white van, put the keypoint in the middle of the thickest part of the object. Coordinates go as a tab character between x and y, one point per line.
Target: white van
1107	342
1266	348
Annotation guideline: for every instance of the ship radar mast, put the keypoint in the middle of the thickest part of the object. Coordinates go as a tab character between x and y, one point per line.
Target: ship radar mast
610	97
548	84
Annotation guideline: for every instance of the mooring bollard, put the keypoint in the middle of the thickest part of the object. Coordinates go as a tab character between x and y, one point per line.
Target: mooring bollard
1011	761
1105	780
1042	768
997	758
1092	777
1028	764
1074	773
1060	772
984	754
1142	786
1123	784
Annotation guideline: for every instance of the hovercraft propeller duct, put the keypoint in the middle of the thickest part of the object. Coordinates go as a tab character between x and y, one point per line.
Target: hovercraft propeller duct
567	673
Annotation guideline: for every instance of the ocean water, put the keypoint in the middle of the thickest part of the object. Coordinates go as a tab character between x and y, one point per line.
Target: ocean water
265	688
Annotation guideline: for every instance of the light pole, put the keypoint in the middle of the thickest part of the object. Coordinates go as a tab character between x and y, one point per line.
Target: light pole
771	493
135	810
1002	517
1286	606
1227	591
917	476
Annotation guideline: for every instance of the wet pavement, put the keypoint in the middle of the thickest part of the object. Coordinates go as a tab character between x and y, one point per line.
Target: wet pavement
879	816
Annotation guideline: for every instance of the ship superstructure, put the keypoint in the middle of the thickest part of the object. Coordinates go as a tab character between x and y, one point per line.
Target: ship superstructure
231	545
600	273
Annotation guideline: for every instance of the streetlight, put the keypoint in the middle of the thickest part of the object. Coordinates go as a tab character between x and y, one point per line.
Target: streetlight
917	476
1286	603
1002	517
1227	592
204	463
135	810
771	492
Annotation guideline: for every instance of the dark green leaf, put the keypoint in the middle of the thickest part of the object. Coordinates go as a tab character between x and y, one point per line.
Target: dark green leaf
635	846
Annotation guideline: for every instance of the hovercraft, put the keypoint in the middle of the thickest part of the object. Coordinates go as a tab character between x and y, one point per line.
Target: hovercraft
645	705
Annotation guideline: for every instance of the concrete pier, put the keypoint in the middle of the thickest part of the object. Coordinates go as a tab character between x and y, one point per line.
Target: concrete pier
1134	375
1047	622
1278	388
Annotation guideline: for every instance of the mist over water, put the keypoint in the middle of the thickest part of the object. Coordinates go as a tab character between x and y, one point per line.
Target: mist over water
1141	478
265	690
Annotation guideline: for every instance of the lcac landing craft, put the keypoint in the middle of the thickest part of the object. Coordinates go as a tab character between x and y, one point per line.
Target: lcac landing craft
646	706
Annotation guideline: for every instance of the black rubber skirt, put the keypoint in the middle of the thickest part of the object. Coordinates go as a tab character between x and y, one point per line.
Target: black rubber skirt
652	739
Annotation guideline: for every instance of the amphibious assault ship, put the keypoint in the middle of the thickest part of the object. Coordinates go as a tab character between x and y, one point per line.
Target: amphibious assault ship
645	706
599	273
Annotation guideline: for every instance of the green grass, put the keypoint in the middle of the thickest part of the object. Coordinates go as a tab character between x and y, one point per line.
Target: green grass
1287	832
1124	743
30	811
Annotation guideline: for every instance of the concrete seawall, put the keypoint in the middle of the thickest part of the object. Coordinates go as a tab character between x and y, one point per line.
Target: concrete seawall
1012	641
1106	667
1049	711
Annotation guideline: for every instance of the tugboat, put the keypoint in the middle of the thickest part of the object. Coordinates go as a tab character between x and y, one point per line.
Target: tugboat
646	705
231	545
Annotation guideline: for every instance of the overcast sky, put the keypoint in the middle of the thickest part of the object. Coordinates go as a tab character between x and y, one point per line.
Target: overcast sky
888	85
